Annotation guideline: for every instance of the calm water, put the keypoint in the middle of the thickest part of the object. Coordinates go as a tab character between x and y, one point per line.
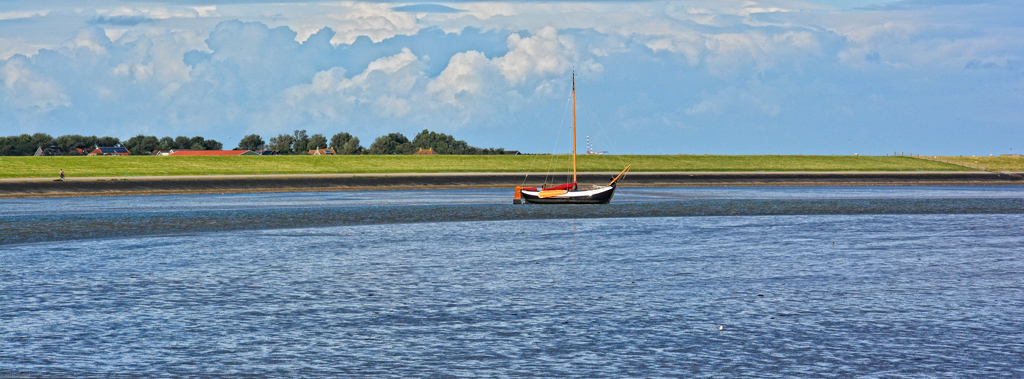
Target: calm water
667	282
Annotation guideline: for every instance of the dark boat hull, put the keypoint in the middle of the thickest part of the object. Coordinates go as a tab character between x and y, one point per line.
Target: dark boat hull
572	197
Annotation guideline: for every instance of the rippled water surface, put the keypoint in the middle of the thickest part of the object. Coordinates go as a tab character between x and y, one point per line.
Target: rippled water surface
764	282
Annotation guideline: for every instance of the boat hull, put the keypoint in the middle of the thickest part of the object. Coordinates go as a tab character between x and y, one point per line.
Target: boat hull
592	196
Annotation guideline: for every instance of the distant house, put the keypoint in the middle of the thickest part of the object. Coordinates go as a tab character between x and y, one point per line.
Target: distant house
267	152
212	152
320	151
110	151
45	151
429	151
164	152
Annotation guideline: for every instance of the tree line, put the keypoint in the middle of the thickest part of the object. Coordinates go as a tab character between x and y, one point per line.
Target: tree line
346	144
26	144
396	143
296	143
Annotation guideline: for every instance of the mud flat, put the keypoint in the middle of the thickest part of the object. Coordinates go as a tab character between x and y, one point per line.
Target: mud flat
157	185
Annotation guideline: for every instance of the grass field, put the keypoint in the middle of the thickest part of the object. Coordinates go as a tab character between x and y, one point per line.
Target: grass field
1015	164
25	167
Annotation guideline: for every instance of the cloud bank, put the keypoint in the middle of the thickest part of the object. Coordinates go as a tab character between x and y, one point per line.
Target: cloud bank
654	77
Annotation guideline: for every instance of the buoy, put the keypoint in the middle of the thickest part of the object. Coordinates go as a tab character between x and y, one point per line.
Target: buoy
720	327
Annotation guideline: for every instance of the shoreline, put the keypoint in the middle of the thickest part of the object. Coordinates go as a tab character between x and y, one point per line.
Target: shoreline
220	184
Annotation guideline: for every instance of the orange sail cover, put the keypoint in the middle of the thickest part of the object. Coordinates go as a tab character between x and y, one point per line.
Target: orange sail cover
551	193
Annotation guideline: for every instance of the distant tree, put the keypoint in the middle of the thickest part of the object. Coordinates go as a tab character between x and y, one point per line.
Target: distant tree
490	151
394	143
446	144
316	141
339	139
24	144
66	143
212	144
251	142
344	143
197	143
182	142
282	143
41	140
299	142
167	143
5	146
8	145
441	143
108	142
142	145
71	143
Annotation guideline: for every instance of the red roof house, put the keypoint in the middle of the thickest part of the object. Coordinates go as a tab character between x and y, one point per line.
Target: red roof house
320	151
110	151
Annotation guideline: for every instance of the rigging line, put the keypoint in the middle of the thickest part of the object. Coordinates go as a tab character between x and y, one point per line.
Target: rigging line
569	170
551	159
534	160
607	138
548	172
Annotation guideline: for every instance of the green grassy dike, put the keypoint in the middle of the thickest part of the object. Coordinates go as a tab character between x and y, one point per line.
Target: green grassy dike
28	167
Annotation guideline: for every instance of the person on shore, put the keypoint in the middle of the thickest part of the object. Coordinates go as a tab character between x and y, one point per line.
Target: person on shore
61	174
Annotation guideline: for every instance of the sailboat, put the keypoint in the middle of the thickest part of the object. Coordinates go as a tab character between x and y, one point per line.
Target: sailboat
569	193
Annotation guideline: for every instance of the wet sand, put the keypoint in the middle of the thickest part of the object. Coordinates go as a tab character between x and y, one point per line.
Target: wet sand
161	185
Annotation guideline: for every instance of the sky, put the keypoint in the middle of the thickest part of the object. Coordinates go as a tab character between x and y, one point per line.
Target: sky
933	77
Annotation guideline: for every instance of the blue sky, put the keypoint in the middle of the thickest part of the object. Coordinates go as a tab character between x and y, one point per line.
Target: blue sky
653	77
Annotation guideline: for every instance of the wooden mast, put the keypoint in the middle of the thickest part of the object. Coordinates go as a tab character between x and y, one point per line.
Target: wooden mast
574	126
